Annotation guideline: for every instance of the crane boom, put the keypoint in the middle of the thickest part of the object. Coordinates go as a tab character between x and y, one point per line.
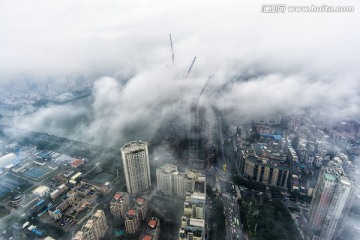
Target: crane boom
192	64
172	49
203	89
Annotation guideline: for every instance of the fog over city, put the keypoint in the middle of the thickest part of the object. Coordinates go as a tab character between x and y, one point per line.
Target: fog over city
262	62
253	64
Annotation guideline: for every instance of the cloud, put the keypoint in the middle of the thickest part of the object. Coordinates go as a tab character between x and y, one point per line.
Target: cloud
262	62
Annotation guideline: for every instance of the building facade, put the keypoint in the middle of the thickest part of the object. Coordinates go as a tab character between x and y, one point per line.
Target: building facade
193	220
153	229
195	136
132	222
141	208
136	166
93	229
119	204
330	199
264	163
165	178
172	182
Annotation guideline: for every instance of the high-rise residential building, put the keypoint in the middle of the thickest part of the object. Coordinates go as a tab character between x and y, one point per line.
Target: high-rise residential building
265	163
329	203
165	177
119	204
135	160
171	182
132	222
141	208
195	181
93	229
153	229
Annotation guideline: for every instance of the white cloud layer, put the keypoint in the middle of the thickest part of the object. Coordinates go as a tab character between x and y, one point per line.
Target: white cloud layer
262	62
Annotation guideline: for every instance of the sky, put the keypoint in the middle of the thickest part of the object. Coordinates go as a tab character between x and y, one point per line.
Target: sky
262	62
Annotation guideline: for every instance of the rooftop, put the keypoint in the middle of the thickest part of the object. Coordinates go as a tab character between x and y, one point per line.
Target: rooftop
131	212
140	200
117	196
329	177
152	223
147	237
76	162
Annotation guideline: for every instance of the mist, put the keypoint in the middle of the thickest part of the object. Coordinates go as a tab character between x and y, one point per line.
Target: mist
262	62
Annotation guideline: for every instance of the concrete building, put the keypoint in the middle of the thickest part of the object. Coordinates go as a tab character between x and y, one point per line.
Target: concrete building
195	136
7	159
119	204
153	229
141	208
271	119
56	210
193	220
264	163
17	200
93	229
136	166
41	191
77	163
132	222
329	203
165	179
171	182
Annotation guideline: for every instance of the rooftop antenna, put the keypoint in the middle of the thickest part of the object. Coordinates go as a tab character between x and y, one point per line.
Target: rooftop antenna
172	49
192	64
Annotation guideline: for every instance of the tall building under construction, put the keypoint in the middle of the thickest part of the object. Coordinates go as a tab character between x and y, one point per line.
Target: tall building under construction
196	136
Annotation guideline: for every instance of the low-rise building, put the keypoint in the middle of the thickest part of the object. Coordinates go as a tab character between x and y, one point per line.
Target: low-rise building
77	163
41	191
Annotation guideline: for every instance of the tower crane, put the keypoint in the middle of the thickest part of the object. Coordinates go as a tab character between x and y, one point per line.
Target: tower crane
192	64
172	49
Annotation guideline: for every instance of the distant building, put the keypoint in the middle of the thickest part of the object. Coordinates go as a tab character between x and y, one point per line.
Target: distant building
328	204
58	191
56	210
193	222
153	229
136	166
119	204
77	163
165	177
132	222
195	136
141	207
7	159
171	182
41	191
264	163
93	229
271	119
75	179
17	200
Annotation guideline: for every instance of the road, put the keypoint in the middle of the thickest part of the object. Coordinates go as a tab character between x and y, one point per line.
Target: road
229	195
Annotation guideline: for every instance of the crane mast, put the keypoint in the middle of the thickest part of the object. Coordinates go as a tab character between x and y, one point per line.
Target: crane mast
172	49
192	64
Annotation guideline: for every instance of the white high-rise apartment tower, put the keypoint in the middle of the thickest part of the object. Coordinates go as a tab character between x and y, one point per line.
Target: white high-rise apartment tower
329	202
135	160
